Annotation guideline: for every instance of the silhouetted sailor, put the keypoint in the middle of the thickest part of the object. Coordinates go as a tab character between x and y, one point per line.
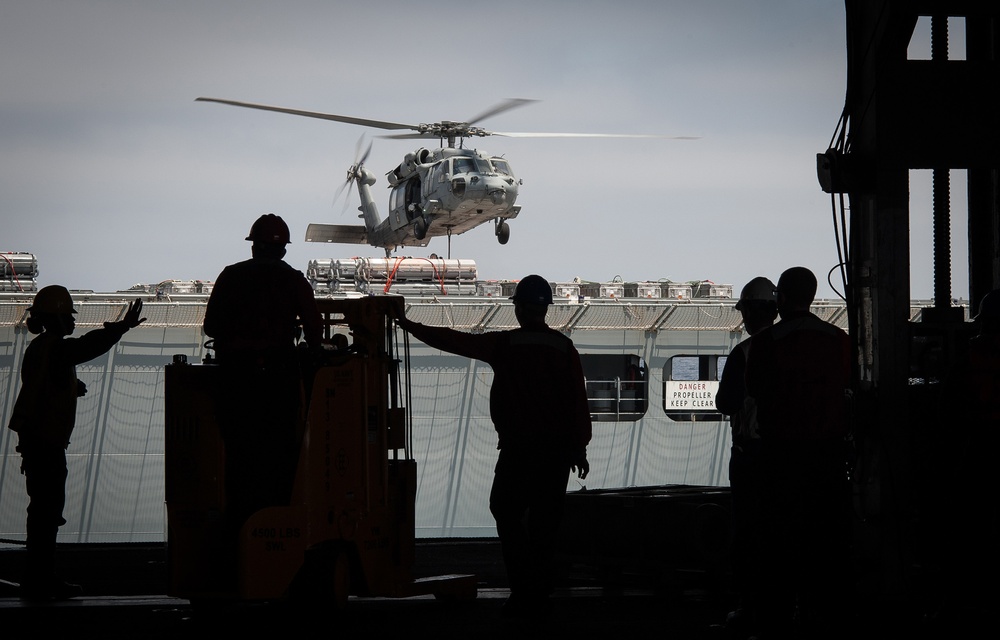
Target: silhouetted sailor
44	416
256	312
259	307
538	405
758	306
799	373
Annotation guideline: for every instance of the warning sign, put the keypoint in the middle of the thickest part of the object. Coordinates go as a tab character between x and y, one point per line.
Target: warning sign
690	395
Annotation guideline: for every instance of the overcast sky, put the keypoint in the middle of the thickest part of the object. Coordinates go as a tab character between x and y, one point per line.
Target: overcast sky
112	174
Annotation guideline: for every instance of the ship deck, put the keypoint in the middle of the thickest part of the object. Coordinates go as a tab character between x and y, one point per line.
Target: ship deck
125	586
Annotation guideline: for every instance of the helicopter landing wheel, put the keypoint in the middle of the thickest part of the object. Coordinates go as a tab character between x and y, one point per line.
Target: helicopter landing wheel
503	232
420	228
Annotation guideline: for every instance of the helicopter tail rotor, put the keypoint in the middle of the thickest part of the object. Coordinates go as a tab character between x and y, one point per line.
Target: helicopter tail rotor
364	156
340	191
354	172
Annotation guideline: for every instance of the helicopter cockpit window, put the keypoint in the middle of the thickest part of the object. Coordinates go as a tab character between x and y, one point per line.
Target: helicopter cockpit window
483	166
463	165
501	166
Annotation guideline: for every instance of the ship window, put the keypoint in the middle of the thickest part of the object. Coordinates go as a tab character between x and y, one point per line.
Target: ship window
617	386
689	387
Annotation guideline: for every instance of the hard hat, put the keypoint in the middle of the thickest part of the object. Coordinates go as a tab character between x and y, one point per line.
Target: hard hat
53	299
760	289
533	290
270	229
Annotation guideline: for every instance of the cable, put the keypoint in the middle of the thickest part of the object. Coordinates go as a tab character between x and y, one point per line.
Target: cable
841	249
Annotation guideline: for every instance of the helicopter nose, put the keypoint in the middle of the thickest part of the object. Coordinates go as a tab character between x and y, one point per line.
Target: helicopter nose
499	191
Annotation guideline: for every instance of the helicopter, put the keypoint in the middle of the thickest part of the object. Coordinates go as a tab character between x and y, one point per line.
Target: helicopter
435	192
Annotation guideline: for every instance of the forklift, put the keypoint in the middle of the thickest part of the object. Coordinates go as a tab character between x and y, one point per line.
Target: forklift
349	528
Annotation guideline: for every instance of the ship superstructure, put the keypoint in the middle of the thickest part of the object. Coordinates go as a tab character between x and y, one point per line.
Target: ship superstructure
652	354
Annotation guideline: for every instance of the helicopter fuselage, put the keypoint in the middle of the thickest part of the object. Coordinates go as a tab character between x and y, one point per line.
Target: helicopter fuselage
453	189
433	193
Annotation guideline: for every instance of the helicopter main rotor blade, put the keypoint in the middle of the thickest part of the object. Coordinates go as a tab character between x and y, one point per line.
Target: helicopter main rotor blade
364	122
441	129
506	105
510	134
411	136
